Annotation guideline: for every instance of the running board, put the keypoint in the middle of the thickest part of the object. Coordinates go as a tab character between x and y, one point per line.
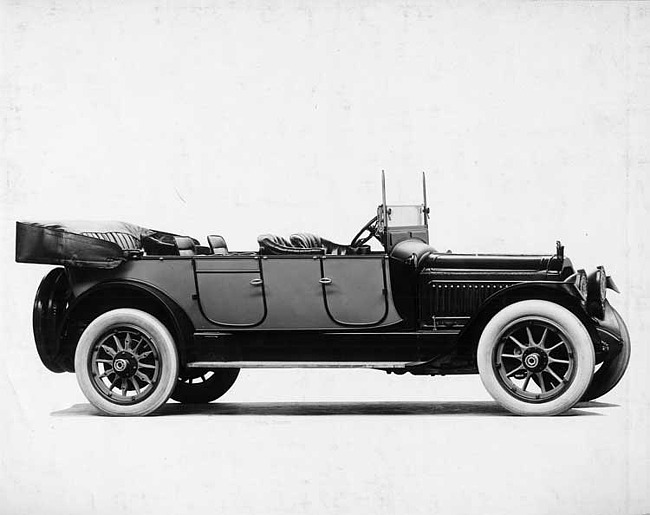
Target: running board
302	364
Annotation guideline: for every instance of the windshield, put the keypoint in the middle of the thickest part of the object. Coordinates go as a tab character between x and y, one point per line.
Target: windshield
402	216
398	222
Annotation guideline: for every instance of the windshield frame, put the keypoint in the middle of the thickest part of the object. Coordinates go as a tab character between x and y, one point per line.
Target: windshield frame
393	231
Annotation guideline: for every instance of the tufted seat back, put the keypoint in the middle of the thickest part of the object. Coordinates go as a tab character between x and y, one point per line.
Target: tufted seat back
272	244
125	240
309	240
304	243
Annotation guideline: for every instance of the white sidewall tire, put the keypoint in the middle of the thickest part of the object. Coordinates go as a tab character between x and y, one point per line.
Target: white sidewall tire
163	342
574	330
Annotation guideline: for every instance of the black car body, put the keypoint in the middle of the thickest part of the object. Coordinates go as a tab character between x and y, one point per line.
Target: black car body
304	301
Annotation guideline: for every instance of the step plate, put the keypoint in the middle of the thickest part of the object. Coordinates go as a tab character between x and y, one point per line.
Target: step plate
299	364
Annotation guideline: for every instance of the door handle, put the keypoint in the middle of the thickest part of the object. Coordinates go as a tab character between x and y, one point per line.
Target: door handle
256	282
325	280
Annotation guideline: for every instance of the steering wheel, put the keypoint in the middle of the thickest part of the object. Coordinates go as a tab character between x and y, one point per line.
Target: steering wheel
371	229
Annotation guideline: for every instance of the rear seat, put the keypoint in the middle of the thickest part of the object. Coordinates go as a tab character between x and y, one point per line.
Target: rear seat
124	240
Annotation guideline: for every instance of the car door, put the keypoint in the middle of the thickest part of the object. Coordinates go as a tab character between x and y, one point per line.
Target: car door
354	289
230	290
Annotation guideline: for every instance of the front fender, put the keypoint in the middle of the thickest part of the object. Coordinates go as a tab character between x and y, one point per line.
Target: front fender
561	293
612	331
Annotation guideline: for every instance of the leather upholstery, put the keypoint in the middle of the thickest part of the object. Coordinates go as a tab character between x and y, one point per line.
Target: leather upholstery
306	240
217	244
185	245
309	240
202	250
304	243
157	245
272	244
125	240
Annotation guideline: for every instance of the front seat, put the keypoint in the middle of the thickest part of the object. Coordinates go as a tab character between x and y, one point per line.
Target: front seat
305	243
272	244
309	240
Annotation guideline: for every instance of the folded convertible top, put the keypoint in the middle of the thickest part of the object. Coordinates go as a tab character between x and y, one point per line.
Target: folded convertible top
94	244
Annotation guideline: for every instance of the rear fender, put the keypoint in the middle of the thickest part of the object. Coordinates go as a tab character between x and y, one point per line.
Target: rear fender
115	294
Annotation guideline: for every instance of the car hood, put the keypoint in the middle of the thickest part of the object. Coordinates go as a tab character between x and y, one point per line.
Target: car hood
539	266
489	262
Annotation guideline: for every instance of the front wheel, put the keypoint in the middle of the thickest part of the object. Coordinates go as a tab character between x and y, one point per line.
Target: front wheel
535	358
126	363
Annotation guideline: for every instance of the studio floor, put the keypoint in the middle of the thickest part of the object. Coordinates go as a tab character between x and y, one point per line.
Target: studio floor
357	442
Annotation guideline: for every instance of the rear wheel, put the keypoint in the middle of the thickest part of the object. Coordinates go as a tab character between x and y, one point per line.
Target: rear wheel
200	385
126	363
535	358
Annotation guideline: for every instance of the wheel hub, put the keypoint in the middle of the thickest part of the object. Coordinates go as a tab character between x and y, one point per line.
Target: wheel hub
125	364
534	360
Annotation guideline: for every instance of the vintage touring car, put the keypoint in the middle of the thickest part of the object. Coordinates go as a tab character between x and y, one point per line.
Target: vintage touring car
142	315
